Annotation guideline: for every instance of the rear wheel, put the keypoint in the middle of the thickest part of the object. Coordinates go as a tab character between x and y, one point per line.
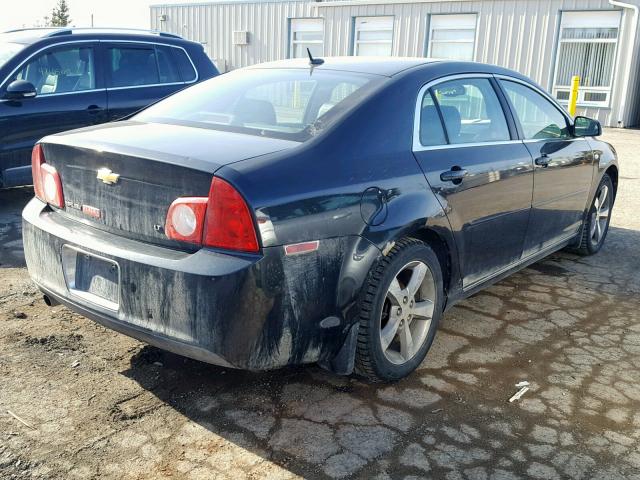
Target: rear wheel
596	224
399	312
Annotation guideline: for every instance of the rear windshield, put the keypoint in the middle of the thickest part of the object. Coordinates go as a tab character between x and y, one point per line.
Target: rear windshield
281	103
8	50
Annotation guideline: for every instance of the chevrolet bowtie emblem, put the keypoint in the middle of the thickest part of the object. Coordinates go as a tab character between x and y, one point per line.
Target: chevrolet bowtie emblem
107	176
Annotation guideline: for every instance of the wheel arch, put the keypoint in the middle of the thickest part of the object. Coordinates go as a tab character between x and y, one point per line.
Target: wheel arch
612	171
439	245
343	361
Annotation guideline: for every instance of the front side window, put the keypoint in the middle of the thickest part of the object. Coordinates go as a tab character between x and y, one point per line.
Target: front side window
279	103
471	111
538	117
452	36
587	48
373	36
306	33
139	65
62	70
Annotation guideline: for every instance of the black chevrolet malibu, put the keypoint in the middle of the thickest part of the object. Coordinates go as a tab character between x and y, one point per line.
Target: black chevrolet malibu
331	212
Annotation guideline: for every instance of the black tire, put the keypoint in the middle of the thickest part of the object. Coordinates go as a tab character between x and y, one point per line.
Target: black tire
587	245
371	362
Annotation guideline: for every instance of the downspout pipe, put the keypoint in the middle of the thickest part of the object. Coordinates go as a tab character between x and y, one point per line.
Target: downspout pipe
629	62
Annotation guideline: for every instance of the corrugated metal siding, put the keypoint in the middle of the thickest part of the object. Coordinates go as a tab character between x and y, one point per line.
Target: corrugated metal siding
517	34
214	24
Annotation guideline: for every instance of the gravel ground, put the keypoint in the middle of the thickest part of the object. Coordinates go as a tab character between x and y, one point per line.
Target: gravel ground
100	405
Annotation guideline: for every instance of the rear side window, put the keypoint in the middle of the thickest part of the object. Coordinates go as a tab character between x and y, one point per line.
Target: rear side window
133	65
431	131
185	67
471	111
62	70
167	68
539	118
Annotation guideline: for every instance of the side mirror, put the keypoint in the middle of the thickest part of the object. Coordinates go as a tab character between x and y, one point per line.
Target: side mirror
19	90
586	127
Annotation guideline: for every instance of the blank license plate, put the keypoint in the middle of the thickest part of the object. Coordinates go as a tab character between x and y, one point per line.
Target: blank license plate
93	278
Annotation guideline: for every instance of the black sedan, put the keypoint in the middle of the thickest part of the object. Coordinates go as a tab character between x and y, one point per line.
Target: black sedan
325	212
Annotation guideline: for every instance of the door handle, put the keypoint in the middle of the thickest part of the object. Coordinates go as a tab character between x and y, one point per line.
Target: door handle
543	160
455	175
94	109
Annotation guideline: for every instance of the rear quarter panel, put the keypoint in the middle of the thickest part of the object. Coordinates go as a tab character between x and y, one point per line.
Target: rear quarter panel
604	157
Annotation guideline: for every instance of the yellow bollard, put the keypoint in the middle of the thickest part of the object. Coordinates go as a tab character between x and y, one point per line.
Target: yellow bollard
573	96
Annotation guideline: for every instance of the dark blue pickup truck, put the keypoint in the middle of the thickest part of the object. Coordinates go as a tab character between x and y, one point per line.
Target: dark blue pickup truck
57	79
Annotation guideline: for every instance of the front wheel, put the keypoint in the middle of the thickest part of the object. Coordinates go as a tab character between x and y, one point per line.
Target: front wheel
596	224
399	312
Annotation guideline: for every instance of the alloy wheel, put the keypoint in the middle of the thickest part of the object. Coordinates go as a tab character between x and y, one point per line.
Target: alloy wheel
407	312
600	215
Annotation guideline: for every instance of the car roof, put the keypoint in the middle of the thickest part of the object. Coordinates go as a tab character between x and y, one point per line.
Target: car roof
386	66
390	66
26	36
29	36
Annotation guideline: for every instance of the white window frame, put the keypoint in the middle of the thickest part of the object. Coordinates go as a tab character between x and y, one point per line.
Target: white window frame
456	21
373	23
588	19
306	24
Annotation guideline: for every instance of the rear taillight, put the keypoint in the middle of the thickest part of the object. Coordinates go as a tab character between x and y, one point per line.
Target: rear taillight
229	223
185	219
46	180
222	220
37	159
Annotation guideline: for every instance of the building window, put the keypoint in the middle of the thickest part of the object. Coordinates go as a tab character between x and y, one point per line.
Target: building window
306	33
452	36
587	48
373	36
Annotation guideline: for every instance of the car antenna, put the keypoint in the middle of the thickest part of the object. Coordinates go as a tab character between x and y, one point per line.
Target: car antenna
314	61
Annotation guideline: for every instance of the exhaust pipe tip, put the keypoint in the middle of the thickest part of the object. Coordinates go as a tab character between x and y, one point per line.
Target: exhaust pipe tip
49	302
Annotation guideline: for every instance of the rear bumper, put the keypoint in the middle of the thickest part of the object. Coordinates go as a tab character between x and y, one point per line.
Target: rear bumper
145	335
245	311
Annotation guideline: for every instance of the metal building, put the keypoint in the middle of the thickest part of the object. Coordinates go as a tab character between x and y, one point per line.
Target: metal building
548	40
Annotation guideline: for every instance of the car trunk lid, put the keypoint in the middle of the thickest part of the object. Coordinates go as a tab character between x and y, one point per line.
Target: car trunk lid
124	176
